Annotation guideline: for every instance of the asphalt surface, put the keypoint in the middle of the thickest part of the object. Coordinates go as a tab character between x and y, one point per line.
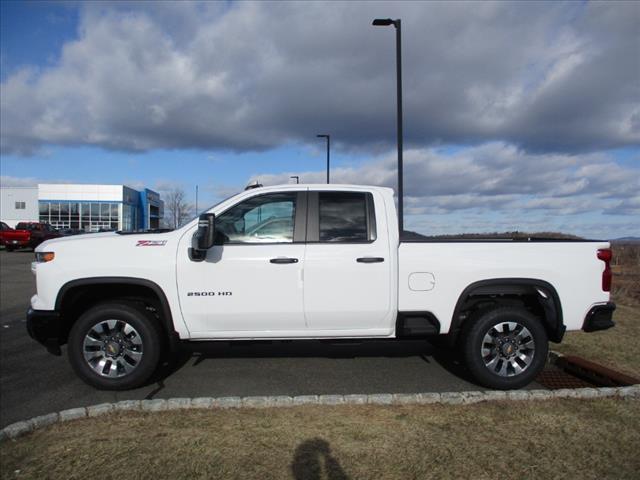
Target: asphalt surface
34	382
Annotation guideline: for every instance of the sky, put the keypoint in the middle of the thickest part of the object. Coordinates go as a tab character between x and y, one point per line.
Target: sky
517	115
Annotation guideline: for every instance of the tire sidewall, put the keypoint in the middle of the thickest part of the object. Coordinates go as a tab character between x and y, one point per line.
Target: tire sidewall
480	325
139	319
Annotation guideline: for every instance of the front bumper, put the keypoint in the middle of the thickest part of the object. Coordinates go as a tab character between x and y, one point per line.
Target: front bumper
44	326
599	318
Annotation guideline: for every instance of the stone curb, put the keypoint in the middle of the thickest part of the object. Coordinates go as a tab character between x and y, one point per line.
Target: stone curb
449	398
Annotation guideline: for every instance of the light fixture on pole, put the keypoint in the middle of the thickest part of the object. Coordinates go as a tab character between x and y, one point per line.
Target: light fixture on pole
328	137
385	22
296	177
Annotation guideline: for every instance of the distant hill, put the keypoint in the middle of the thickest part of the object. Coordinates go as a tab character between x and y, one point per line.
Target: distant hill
627	239
407	235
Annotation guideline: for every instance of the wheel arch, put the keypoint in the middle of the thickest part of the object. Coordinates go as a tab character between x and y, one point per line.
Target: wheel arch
534	293
76	295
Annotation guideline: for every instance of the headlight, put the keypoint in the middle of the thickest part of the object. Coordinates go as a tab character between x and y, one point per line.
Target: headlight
43	257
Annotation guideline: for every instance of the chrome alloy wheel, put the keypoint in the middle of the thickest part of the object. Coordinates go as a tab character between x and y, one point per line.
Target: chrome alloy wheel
508	349
112	348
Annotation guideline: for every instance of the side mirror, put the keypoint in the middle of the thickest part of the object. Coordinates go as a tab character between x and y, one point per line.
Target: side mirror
204	236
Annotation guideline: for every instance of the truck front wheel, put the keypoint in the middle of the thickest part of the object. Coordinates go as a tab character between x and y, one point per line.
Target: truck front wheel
115	346
505	348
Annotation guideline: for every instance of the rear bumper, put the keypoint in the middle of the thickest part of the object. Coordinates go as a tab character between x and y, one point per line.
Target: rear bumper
15	242
44	327
599	318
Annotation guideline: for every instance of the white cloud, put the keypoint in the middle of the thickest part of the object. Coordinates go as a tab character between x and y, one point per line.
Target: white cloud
254	75
10	181
498	186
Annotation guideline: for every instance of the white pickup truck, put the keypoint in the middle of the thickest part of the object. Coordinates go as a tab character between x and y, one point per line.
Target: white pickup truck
311	262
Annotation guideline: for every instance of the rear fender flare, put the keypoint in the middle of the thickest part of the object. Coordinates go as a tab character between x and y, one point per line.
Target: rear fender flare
550	301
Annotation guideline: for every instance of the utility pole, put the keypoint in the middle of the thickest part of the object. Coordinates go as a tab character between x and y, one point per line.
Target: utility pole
383	22
328	137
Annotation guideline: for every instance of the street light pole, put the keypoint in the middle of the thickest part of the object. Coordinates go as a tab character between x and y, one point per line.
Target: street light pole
383	22
328	137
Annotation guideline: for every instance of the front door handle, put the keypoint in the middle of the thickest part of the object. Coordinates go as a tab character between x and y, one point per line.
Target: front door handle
284	260
370	260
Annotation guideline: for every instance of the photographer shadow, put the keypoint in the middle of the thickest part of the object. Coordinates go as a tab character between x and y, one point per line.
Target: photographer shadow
312	460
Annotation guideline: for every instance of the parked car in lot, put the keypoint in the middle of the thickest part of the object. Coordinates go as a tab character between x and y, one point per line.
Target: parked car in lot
11	238
27	234
312	262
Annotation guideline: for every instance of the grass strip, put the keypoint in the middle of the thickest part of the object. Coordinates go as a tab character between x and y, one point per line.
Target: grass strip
587	439
616	348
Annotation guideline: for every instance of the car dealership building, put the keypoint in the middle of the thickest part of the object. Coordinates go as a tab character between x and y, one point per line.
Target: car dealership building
85	207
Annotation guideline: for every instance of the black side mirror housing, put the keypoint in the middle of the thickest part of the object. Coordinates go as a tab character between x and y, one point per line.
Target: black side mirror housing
204	236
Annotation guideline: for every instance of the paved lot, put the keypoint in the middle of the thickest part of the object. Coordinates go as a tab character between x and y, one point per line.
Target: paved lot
33	382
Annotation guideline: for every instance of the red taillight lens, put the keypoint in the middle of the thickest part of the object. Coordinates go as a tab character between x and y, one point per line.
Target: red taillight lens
605	255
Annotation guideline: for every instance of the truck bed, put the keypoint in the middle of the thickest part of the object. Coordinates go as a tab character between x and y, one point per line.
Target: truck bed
434	274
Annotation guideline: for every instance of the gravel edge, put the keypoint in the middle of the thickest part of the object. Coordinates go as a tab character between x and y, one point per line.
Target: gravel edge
450	398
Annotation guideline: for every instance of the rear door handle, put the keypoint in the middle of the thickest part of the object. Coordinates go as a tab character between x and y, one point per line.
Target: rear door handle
284	260
370	259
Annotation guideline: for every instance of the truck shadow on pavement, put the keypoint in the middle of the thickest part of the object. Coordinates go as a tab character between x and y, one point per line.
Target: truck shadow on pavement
193	355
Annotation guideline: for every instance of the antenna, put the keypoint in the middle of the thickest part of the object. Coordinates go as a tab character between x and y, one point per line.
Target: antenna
253	184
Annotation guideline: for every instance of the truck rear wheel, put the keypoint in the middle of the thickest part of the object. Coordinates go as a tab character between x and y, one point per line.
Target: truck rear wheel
115	346
505	348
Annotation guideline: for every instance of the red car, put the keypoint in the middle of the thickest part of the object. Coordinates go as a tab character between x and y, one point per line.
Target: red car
26	234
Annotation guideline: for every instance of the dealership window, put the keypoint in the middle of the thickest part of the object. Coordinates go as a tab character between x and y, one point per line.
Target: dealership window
129	217
88	216
21	205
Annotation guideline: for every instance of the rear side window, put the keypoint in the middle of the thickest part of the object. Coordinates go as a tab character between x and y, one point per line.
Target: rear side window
345	217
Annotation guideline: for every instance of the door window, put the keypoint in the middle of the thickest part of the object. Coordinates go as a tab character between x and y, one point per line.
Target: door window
345	217
263	219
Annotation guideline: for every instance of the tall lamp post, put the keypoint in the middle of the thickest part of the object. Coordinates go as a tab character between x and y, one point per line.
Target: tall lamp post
385	22
328	137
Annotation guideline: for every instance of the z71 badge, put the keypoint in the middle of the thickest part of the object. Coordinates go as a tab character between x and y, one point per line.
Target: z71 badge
151	243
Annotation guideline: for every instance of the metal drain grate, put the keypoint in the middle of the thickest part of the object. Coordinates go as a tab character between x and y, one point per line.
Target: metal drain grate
555	379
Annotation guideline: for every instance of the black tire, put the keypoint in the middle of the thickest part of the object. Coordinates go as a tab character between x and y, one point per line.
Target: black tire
9	249
508	351
147	335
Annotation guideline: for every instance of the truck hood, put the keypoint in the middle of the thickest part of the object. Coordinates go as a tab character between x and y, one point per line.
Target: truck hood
111	240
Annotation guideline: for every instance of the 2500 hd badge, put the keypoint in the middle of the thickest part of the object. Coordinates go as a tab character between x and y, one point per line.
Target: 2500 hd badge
209	294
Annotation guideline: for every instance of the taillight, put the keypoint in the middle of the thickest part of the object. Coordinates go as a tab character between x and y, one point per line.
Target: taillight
605	255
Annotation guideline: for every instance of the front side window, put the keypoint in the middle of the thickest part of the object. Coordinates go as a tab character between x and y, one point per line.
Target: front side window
344	217
262	219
